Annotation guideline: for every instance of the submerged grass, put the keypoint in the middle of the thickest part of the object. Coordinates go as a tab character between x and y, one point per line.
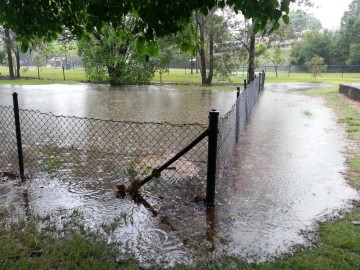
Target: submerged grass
23	245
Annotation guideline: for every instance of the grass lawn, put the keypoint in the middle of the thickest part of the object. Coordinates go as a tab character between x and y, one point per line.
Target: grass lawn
22	246
56	74
180	76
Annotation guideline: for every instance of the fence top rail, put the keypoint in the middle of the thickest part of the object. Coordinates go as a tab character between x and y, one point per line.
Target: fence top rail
104	120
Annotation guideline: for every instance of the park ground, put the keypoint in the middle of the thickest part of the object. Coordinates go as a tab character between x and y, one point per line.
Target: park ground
177	76
336	246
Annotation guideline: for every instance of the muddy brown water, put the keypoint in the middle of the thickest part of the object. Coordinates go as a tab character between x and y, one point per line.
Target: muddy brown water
134	103
285	174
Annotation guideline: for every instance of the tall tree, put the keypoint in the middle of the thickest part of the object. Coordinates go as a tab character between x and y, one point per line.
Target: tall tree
299	22
245	33
349	33
314	43
251	69
9	54
276	56
211	28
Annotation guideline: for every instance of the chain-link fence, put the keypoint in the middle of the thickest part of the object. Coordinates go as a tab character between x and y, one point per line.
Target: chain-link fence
104	153
303	69
110	152
233	123
289	69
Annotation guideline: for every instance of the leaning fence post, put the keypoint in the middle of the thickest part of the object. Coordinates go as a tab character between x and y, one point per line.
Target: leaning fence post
244	84
18	135
212	157
237	127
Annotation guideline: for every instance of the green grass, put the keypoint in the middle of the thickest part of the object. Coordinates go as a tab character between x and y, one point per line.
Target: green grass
332	78
34	82
307	113
49	73
24	246
179	76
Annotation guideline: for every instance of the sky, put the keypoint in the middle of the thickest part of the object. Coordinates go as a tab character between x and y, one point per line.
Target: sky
329	12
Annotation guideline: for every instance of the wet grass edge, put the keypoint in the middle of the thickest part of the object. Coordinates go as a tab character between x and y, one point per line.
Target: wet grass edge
37	243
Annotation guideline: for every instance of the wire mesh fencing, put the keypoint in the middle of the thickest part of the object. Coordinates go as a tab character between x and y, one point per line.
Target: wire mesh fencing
233	123
100	154
103	153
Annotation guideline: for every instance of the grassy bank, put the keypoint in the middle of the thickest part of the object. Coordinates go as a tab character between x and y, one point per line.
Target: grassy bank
174	76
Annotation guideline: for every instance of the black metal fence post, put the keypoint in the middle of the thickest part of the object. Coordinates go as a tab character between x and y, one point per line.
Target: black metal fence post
212	157
260	80
246	100
18	135
263	80
237	127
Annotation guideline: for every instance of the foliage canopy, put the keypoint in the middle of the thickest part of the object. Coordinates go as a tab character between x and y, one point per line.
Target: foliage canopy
349	35
47	19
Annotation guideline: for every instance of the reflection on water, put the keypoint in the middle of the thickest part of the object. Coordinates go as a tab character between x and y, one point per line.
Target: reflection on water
135	103
284	176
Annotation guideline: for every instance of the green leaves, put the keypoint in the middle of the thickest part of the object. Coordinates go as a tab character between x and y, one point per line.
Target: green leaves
46	19
286	19
149	48
204	10
221	4
24	46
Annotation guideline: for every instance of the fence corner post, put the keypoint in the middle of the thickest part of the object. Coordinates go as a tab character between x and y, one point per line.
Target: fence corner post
18	135
212	158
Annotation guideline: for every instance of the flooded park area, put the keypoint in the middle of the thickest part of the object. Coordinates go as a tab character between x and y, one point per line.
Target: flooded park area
285	174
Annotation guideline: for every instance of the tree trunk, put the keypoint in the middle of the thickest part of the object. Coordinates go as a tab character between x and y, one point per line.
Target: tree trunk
17	56
200	47
211	55
251	70
8	50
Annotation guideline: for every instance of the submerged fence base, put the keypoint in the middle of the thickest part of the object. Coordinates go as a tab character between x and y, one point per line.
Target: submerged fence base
122	152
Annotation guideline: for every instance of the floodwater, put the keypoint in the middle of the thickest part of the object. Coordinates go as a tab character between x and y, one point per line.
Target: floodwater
286	174
143	103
